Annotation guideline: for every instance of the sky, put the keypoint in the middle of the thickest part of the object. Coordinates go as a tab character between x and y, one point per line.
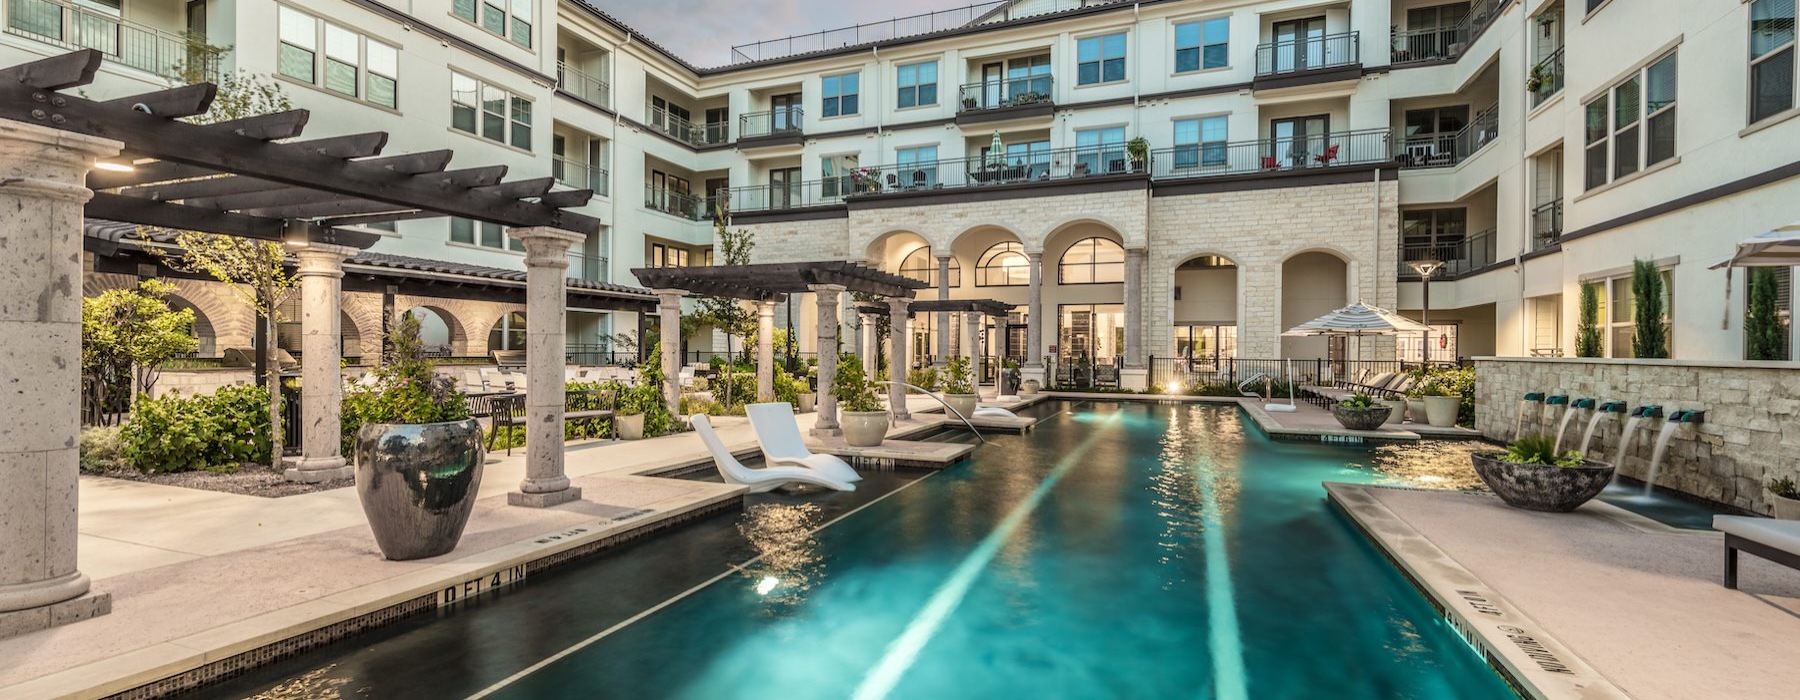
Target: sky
703	31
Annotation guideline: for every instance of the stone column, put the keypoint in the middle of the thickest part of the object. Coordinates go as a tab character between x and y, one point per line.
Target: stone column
669	315
972	338
1034	322
870	347
765	351
546	277
899	339
321	273
828	294
1132	372
943	317
41	197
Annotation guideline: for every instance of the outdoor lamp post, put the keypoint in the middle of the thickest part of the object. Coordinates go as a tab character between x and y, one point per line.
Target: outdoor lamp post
1426	268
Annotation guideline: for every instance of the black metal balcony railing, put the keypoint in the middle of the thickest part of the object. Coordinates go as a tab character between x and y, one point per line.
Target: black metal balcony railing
781	121
1546	78
682	204
578	175
1308	54
582	85
949	173
589	268
1546	224
1445	150
1271	155
126	43
1010	92
662	120
1460	257
1440	43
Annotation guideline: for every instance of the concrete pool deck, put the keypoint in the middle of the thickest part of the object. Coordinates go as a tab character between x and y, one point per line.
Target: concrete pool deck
203	579
1592	604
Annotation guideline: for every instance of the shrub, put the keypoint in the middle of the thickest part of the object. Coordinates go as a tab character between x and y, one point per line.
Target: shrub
1784	487
1358	401
407	390
926	379
101	449
1650	336
211	432
646	398
789	387
1541	450
851	386
1765	336
956	379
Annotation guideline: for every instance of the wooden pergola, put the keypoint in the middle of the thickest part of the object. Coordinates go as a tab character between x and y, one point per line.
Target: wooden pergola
972	309
767	284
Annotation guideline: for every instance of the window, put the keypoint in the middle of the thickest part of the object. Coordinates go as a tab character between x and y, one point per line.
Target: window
917	166
922	266
839	94
1202	45
507	18
1200	142
837	174
918	84
1638	130
1100	59
350	65
1780	282
489	112
482	233
1771	58
1435	234
1618	312
1091	261
1003	265
668	256
1100	150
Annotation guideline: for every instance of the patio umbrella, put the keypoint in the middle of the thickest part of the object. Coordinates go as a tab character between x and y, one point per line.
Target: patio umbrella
1357	320
1777	248
996	151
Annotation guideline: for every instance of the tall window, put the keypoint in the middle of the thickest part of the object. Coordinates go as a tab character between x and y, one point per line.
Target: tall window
482	233
1100	59
1618	311
835	173
489	112
1200	142
917	166
507	18
839	94
669	256
1782	281
917	84
1003	265
1771	58
1638	130
350	65
922	266
1091	261
1203	44
1100	150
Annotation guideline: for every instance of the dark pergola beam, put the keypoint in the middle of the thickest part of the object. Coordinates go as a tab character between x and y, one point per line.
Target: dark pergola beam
160	171
53	73
174	103
153	213
566	198
350	146
265	127
341	206
519	189
367	219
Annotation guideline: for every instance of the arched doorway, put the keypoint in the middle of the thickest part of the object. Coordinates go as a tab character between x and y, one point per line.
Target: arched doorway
439	333
508	333
1313	284
1205	312
202	329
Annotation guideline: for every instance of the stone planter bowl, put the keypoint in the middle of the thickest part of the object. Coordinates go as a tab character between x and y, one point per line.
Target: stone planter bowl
417	484
864	429
1440	411
808	402
629	427
1369	418
1539	487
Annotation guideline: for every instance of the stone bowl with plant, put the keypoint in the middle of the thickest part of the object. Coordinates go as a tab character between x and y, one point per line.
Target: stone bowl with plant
862	418
959	391
1530	474
1361	412
1785	497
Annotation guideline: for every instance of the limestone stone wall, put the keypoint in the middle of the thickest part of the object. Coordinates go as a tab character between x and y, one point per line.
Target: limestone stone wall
1751	433
800	241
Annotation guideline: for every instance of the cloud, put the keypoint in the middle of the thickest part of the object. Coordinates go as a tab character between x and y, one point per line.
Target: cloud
703	31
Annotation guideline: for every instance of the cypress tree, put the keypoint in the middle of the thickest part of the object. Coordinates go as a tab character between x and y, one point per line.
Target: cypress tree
1650	339
1764	334
1587	334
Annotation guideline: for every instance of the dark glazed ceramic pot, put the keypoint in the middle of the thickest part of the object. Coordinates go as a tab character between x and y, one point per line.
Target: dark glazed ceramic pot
417	484
1369	418
1550	489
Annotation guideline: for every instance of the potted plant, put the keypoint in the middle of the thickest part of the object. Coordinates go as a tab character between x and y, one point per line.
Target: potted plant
1398	404
1530	475
1536	79
925	379
968	102
418	453
1029	387
1785	496
1415	401
1139	151
959	392
1441	404
1361	412
628	420
864	422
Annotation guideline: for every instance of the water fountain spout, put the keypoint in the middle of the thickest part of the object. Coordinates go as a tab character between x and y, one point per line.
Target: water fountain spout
1562	427
1670	426
1534	401
1609	408
1638	415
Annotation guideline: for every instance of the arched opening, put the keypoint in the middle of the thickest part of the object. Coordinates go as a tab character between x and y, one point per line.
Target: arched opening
922	265
508	333
349	338
203	327
1205	307
1003	265
1312	284
1092	260
439	332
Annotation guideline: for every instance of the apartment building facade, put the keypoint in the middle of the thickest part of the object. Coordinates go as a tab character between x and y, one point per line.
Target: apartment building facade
1296	155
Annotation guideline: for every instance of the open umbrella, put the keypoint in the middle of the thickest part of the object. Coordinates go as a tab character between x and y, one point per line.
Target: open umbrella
1357	320
1777	248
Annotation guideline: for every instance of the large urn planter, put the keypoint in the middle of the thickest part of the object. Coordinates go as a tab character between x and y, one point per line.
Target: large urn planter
1785	508
1440	411
1398	412
1361	418
863	428
963	403
629	427
1542	487
1029	387
417	484
808	402
1415	410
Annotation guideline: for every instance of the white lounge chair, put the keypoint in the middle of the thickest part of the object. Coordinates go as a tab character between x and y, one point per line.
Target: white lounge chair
779	433
1775	540
993	412
759	480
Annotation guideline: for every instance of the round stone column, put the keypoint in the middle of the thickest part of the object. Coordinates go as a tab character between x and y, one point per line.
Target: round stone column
321	273
42	172
899	339
827	423
765	351
943	317
546	276
669	315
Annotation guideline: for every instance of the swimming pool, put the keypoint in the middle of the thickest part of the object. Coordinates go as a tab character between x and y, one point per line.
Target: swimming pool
1121	550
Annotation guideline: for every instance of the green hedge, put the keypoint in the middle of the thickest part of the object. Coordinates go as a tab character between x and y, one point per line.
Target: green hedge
215	432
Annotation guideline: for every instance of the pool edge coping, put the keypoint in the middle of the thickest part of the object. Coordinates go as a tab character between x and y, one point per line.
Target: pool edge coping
1490	622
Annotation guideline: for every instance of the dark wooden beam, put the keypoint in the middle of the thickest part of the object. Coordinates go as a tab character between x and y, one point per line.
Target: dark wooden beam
195	190
484	176
138	210
351	146
566	198
265	127
56	72
340	206
281	197
412	163
173	103
367	219
520	189
160	171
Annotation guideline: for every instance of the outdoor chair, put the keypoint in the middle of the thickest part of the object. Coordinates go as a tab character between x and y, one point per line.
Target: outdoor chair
503	411
759	480
893	182
919	180
778	432
1329	155
1270	163
1775	540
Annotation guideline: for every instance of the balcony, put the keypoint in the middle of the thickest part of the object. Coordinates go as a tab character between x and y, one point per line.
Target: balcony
682	204
1272	156
1546	78
1433	44
950	174
1306	61
775	127
665	122
1447	150
582	85
575	174
1546	224
1460	257
587	268
1012	98
166	54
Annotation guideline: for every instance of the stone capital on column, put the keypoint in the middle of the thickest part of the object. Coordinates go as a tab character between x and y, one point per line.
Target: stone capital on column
321	259
546	246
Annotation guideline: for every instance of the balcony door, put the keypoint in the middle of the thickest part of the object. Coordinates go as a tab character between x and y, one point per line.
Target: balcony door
1299	44
785	113
784	188
1293	142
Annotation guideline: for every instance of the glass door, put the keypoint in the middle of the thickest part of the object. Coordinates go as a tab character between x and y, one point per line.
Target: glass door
1028	80
990	85
784	188
1294	142
1299	44
786	113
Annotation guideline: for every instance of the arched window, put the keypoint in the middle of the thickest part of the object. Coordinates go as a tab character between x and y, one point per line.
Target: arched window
1003	265
922	266
1091	261
508	333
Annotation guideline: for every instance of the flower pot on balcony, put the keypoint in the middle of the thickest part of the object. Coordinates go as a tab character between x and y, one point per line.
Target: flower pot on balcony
864	429
417	484
1542	487
1440	411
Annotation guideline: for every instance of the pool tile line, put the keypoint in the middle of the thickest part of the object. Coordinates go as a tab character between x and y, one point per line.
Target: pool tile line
1534	662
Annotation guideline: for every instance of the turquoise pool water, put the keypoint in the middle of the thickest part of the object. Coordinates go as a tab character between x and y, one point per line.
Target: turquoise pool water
1120	551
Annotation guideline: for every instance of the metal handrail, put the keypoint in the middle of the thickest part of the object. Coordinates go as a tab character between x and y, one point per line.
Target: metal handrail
680	204
1332	51
894	419
1008	92
914	25
575	82
1549	75
1271	154
771	122
121	41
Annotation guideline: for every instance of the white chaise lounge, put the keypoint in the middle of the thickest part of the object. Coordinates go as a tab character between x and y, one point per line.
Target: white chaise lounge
1775	540
993	412
779	434
759	480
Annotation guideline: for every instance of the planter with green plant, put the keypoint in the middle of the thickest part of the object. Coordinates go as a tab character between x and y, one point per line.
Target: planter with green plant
1784	495
1361	412
1442	402
861	416
1531	475
959	392
1415	397
1138	150
418	453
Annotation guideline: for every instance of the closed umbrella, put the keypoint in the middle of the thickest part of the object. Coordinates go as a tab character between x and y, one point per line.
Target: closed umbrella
1777	248
996	152
1357	320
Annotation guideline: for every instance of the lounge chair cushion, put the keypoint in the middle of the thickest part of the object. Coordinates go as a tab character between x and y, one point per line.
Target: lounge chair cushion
1779	534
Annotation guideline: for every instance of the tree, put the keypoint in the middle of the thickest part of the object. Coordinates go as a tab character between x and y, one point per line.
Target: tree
1587	334
1650	338
726	314
1765	336
125	334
